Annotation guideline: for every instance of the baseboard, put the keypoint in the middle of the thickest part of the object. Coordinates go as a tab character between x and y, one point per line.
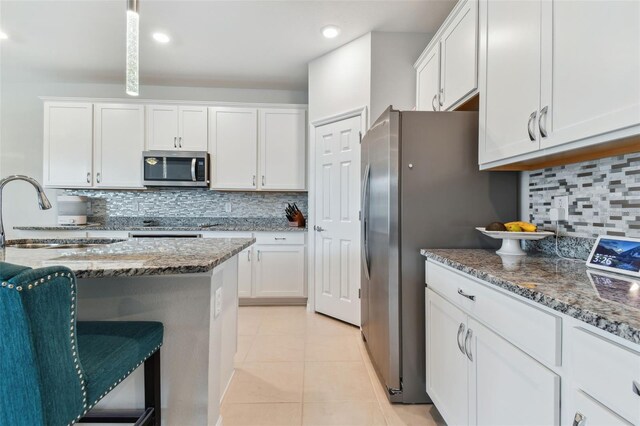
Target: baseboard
273	301
226	388
219	422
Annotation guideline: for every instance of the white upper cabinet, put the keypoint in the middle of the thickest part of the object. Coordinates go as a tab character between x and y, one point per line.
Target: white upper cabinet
590	79
68	144
447	71
550	83
171	127
510	68
459	56
255	149
192	128
428	83
282	149
119	142
234	148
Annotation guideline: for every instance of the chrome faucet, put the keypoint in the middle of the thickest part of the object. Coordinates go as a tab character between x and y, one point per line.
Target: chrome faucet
43	201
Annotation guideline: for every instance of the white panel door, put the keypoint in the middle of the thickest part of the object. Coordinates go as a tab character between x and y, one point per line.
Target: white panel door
428	83
337	246
591	78
283	145
446	363
511	64
508	387
233	136
245	274
119	142
279	271
162	127
68	144
192	128
459	56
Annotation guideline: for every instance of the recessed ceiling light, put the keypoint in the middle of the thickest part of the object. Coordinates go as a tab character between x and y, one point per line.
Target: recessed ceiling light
161	37
330	31
3	36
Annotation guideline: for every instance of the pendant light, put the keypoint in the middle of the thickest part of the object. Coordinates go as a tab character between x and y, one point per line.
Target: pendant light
133	37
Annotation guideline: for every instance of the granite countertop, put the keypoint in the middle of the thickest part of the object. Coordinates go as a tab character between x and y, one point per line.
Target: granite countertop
178	224
134	257
610	302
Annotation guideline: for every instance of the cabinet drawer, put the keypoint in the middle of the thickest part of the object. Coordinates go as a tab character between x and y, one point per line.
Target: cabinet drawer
536	332
607	372
280	238
593	413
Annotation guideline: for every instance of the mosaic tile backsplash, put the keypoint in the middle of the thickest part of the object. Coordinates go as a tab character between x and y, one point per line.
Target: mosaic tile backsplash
190	203
604	196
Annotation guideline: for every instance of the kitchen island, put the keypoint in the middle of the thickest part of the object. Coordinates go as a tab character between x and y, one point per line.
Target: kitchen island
190	285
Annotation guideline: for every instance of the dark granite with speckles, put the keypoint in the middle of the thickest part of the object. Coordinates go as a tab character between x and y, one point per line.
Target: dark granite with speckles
134	257
611	303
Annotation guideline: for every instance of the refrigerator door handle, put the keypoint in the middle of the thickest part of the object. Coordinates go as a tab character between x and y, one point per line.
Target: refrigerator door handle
364	249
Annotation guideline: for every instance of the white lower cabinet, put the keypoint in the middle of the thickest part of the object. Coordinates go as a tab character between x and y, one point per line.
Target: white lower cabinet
475	377
589	412
280	271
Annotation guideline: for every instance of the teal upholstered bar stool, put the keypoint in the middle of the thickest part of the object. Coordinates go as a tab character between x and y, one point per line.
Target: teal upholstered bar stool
53	370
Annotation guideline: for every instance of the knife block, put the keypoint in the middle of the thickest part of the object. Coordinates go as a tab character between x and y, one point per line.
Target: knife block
298	222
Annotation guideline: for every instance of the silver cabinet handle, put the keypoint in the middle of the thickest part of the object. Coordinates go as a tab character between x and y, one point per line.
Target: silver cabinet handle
579	419
175	141
88	177
543	128
532	118
179	141
460	331
279	238
98	177
468	296
467	347
254	180
248	255
262	180
441	97
258	255
433	102
635	387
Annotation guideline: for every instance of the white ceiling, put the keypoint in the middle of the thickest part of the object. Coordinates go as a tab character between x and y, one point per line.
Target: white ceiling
257	44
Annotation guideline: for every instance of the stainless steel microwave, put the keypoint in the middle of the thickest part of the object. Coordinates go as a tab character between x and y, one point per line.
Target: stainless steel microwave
175	168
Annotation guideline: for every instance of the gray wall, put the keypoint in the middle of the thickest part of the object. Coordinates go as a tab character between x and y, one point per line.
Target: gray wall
21	134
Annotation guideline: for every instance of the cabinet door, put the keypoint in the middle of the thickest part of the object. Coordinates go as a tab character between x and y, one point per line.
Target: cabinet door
591	79
234	147
459	56
162	127
119	142
192	132
279	271
283	144
245	272
508	387
510	68
428	83
446	362
592	413
68	144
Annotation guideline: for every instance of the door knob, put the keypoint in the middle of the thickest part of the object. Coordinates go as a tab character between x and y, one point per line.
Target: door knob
318	228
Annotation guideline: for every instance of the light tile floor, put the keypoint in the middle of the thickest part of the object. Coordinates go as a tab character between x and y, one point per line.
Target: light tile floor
294	367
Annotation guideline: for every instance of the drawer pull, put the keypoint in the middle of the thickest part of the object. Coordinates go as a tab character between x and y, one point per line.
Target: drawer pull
460	331
467	347
468	296
579	419
636	388
279	238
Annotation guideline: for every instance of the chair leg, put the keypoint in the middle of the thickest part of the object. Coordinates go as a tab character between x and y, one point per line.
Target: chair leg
152	386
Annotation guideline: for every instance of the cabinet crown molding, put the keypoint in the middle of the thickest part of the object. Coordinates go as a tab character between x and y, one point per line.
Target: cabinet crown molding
172	102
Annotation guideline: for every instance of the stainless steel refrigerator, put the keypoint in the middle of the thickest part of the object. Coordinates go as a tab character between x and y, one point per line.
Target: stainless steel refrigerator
421	188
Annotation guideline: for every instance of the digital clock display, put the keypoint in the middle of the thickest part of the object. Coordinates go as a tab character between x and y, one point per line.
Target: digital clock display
616	254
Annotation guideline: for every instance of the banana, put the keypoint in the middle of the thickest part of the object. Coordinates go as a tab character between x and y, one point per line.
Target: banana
523	226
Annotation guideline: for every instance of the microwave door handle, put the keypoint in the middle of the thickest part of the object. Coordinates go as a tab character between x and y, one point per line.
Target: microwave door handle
193	169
